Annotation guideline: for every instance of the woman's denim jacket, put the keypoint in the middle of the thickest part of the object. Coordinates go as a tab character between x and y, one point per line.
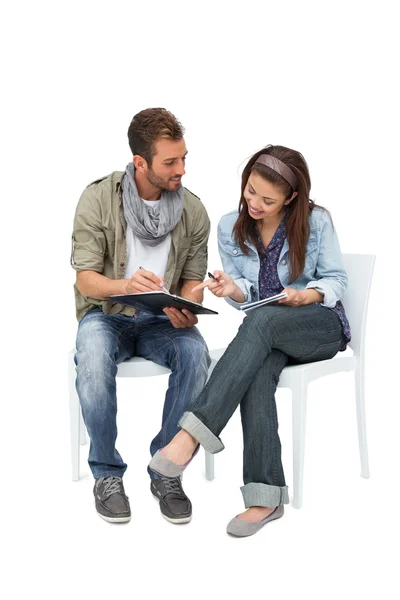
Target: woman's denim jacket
323	269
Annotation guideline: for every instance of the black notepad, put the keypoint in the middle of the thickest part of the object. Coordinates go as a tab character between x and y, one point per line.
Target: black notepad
154	302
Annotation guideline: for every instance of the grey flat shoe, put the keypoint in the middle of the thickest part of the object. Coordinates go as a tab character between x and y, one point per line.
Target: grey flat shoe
163	466
241	528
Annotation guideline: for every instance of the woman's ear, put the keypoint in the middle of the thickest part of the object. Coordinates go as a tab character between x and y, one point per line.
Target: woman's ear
292	198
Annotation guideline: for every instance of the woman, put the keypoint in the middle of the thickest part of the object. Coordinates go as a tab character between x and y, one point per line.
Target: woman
279	240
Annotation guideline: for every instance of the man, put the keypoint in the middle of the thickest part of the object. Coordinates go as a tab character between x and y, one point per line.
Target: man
138	231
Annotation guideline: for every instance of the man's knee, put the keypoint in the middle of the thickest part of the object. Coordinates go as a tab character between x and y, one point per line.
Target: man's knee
95	344
197	352
193	353
195	360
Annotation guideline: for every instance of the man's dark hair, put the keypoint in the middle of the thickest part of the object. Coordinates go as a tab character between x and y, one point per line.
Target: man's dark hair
150	125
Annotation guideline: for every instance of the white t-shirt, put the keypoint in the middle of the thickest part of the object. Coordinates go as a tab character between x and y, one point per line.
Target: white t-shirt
151	258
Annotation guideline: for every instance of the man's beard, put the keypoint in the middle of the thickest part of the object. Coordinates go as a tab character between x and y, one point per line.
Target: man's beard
159	182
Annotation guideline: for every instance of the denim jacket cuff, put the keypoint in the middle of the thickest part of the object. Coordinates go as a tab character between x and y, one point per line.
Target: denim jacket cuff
329	299
246	288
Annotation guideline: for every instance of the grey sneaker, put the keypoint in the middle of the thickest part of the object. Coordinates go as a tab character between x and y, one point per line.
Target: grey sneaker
175	506
112	504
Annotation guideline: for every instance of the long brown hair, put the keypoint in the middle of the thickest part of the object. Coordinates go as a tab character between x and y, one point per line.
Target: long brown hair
298	210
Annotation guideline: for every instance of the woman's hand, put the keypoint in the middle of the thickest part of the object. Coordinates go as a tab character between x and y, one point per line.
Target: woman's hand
222	285
300	297
294	297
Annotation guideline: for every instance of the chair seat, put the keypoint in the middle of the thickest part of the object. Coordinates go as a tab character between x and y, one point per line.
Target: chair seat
140	367
308	371
315	370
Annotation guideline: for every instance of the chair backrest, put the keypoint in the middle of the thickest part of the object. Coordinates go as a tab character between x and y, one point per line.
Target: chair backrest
359	268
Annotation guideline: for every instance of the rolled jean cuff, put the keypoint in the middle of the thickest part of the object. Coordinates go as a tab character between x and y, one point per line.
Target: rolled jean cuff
261	494
210	442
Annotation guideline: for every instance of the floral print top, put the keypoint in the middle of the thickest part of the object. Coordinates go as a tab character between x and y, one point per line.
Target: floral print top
270	284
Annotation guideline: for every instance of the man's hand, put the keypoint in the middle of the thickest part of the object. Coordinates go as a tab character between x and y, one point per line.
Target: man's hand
144	281
181	319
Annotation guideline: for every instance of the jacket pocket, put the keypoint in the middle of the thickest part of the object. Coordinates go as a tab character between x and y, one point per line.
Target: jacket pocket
233	250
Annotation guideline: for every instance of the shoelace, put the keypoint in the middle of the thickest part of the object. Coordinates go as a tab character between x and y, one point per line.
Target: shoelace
172	485
112	485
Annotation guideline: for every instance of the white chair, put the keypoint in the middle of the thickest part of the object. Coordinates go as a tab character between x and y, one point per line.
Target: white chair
359	269
135	367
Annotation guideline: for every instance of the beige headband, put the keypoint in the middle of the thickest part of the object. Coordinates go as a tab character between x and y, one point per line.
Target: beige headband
277	165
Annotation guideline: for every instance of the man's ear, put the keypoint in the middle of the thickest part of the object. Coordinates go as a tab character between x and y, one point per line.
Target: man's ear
140	163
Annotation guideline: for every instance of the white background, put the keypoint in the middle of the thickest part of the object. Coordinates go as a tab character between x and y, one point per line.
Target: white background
319	77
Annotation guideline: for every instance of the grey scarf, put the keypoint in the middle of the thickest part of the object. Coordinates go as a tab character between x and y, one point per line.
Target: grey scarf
150	225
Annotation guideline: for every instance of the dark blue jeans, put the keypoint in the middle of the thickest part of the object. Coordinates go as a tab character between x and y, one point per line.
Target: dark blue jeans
104	341
247	374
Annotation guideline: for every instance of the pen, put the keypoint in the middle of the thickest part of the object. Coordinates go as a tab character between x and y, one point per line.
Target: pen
163	289
212	276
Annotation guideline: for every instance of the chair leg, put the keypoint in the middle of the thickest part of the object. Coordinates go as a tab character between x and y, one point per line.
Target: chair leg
74	412
361	419
299	410
208	456
82	429
209	466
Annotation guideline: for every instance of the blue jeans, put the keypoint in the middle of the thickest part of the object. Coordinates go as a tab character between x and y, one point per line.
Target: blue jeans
247	375
104	341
